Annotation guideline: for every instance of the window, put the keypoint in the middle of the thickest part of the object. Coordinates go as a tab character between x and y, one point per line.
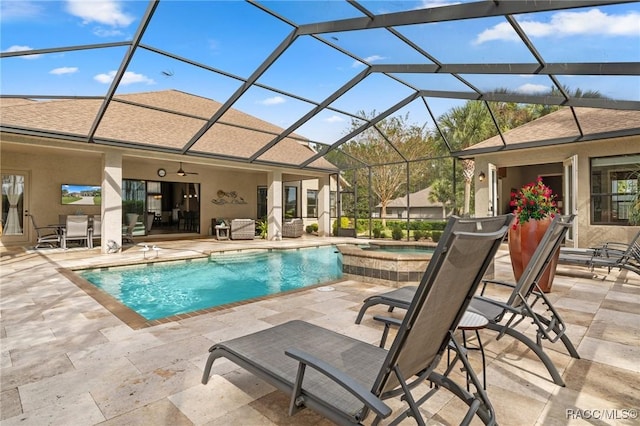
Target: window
262	202
312	203
290	202
614	189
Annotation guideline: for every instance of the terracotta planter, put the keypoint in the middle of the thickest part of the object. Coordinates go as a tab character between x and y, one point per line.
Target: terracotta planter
523	241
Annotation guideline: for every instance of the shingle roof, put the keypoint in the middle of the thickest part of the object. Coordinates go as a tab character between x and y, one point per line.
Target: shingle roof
166	119
416	199
561	124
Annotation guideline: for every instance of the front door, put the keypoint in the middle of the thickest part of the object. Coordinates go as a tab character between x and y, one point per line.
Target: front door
14	226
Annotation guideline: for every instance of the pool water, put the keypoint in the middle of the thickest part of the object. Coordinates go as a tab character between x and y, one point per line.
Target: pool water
159	290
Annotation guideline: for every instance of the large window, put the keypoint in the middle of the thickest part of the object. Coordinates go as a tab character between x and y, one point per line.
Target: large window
614	190
290	202
312	203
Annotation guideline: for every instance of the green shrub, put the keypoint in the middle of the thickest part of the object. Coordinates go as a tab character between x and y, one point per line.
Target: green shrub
344	223
383	234
311	228
263	228
417	234
435	236
396	233
377	232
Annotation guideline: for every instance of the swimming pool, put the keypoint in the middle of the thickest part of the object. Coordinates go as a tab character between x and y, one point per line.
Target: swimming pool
159	290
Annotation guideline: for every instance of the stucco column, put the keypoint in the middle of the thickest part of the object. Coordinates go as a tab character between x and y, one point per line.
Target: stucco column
481	189
111	199
324	206
274	205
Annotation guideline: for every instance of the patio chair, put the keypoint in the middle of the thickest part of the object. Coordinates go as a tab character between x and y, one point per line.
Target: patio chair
292	228
76	229
610	255
504	316
95	230
343	378
45	235
243	229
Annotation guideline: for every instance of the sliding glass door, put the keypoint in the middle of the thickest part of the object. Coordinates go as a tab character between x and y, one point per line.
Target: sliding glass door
161	207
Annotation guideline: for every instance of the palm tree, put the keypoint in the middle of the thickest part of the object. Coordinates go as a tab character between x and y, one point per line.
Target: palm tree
441	192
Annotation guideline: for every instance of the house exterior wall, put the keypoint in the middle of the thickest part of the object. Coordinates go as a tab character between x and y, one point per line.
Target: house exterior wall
49	167
548	160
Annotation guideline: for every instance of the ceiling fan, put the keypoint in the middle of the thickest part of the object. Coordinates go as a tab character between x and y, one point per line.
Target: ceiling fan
181	172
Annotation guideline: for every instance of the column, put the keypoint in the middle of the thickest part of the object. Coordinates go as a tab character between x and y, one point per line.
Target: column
274	205
324	206
111	210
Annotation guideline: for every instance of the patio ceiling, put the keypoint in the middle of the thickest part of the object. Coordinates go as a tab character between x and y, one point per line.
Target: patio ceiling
327	61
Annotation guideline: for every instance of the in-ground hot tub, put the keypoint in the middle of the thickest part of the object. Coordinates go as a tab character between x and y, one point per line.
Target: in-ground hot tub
392	263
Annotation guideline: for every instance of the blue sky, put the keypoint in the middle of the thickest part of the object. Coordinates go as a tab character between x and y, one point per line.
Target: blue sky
237	37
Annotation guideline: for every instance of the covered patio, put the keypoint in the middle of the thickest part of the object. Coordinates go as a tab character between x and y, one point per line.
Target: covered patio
66	359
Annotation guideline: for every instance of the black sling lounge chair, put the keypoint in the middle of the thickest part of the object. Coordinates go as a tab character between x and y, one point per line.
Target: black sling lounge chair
343	378
611	255
504	316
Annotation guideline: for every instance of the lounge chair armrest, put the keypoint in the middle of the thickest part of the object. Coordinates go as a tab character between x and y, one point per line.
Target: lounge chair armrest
338	376
388	322
501	283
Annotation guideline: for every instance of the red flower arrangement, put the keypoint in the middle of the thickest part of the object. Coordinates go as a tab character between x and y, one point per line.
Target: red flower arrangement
534	201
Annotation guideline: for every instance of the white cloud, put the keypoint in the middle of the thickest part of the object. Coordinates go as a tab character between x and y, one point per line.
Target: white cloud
562	24
18	48
273	101
63	70
334	119
107	12
531	89
128	78
369	59
103	32
18	10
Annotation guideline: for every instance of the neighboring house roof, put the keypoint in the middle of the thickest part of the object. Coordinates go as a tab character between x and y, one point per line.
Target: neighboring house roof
416	200
162	119
561	126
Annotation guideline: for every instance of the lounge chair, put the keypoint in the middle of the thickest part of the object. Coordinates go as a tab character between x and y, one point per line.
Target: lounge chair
45	235
76	229
610	255
504	316
343	378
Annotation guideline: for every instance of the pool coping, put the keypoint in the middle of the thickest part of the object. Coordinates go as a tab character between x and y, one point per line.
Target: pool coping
136	321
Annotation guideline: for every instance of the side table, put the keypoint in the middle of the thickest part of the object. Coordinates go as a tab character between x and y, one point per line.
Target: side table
472	321
222	232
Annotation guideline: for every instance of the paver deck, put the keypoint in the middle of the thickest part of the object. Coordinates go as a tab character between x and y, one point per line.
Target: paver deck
67	360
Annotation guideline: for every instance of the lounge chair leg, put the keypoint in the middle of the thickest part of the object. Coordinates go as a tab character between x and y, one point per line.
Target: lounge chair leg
535	348
565	339
207	369
413	410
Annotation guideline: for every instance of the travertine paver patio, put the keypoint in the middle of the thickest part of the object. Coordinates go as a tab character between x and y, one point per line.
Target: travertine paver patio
67	360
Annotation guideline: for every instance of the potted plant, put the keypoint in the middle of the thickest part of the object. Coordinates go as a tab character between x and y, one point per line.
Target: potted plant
535	207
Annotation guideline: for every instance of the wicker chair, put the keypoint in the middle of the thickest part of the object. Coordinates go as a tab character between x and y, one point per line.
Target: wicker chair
243	229
293	228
